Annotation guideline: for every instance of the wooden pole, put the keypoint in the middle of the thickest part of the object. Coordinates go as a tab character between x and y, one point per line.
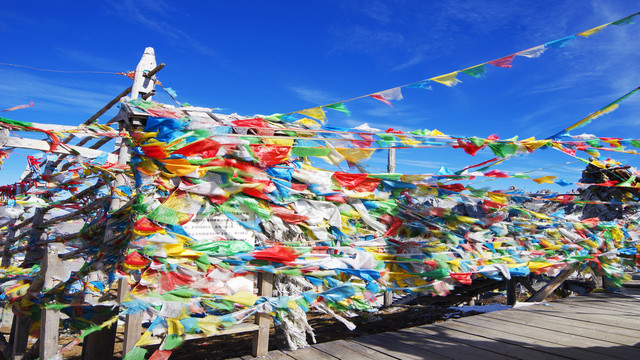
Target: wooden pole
133	322
391	168
99	345
511	291
261	336
49	327
391	163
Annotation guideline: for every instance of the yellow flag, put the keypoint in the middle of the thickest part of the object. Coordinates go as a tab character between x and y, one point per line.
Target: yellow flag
285	142
179	167
592	31
496	197
408	141
145	339
447	79
243	297
545	179
316	113
532	144
307	122
355	155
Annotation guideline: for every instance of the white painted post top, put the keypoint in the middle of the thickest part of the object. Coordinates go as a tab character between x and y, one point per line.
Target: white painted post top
141	84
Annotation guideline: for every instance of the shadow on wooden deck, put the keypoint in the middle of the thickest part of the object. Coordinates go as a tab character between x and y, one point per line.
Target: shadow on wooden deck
598	326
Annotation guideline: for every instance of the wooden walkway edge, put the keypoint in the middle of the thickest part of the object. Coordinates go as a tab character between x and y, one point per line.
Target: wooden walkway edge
596	326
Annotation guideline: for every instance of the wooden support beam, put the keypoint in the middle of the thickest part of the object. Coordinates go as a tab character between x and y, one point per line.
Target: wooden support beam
524	281
261	336
36	253
42	145
20	336
91	207
49	327
552	285
100	344
132	323
388	298
511	291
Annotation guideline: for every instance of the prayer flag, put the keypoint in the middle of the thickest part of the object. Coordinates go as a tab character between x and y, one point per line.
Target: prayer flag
316	113
447	79
475	71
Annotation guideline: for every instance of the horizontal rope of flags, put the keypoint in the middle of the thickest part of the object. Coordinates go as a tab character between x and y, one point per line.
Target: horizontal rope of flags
449	79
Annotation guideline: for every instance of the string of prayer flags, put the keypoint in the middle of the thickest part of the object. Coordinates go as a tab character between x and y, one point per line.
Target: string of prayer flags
477	71
605	110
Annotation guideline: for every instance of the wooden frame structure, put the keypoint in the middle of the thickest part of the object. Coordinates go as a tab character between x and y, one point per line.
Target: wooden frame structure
100	344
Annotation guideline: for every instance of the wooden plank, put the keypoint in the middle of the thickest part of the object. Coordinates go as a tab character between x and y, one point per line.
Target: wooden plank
261	336
444	346
604	327
566	326
394	348
478	341
278	355
595	316
242	328
593	346
627	308
309	353
501	334
353	347
341	352
608	298
42	145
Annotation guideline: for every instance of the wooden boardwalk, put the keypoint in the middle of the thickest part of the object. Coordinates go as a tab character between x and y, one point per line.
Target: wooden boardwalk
597	326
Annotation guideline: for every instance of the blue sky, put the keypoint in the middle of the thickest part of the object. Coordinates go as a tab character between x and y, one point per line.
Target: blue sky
258	57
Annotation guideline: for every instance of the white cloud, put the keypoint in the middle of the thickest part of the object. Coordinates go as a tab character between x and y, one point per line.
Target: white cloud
314	96
63	98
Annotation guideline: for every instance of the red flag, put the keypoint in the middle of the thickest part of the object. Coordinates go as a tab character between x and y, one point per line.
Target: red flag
504	62
496	173
380	98
270	154
462	278
277	253
206	147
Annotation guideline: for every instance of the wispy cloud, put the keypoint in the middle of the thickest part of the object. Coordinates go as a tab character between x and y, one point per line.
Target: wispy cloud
76	97
359	39
160	17
314	96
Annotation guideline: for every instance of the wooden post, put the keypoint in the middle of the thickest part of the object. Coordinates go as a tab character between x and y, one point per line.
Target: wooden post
100	344
391	168
391	163
388	298
552	285
141	84
49	327
261	336
133	322
511	291
20	336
